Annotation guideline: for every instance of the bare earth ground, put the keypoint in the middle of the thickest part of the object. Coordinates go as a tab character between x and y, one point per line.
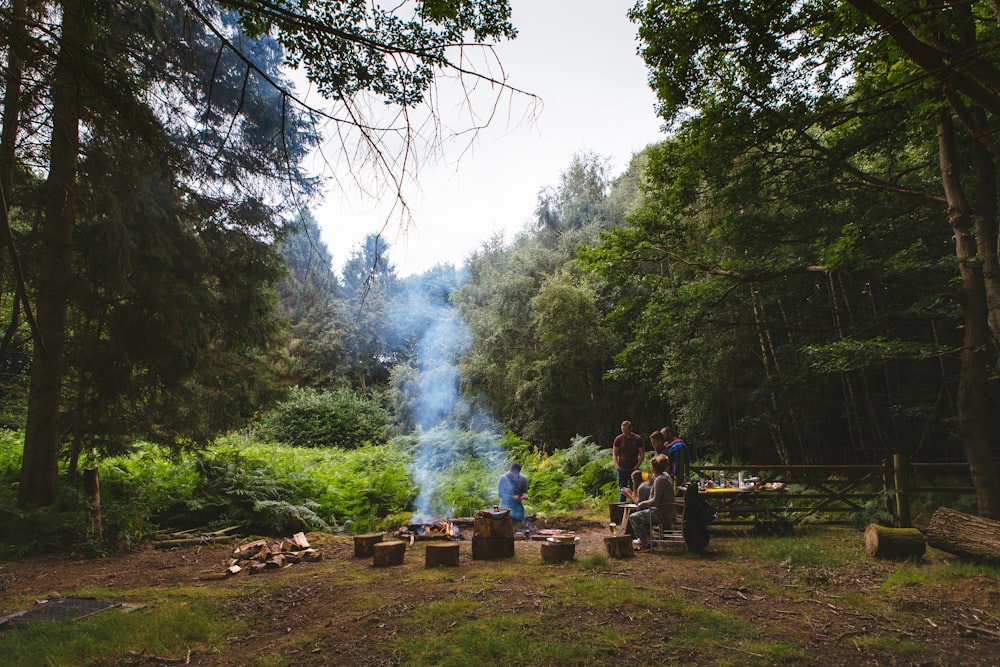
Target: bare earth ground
825	612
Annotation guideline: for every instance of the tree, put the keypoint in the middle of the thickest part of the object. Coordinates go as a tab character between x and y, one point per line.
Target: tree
809	106
370	284
111	79
311	301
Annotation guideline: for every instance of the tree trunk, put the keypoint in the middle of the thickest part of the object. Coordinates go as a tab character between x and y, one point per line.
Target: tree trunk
40	465
964	534
975	358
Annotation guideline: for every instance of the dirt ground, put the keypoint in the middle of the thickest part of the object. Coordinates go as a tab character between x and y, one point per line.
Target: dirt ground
823	610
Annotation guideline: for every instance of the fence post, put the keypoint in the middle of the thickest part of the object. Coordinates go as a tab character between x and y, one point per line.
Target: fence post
900	470
889	488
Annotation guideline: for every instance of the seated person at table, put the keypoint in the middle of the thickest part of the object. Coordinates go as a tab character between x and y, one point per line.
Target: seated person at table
640	490
658	508
513	490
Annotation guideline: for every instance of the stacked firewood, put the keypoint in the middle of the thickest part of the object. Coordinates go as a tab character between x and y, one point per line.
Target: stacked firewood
260	555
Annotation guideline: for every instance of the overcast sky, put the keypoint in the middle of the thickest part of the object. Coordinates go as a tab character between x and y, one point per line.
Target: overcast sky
578	57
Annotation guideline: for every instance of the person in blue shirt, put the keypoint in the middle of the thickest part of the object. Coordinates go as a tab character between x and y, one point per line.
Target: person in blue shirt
678	452
513	490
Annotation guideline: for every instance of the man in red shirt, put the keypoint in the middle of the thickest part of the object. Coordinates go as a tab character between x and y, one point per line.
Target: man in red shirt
627	453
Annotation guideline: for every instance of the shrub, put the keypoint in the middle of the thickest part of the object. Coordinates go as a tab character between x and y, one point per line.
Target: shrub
338	418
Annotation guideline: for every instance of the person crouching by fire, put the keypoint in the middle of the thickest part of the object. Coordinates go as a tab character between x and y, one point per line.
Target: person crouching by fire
513	490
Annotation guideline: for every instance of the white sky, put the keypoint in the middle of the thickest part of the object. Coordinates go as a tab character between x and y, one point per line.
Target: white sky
579	57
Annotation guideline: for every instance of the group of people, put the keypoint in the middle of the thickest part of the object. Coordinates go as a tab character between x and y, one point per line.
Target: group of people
655	497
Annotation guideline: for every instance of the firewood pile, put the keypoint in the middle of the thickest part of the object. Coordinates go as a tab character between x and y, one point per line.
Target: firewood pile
260	555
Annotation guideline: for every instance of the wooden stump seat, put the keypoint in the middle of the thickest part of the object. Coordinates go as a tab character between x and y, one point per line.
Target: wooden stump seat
619	546
553	552
363	544
492	548
388	553
442	553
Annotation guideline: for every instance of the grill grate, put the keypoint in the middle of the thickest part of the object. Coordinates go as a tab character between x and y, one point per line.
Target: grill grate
62	609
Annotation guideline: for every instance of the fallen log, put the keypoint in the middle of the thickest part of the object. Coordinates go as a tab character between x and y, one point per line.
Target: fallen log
883	542
965	535
189	542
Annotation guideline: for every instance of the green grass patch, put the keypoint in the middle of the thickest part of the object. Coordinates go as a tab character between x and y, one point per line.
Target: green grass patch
169	628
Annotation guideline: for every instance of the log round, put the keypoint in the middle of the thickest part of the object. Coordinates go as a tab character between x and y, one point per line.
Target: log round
484	526
558	553
619	546
363	544
883	542
388	553
442	553
964	535
492	548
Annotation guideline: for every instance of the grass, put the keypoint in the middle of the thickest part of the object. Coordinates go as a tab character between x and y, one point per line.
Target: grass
171	625
751	602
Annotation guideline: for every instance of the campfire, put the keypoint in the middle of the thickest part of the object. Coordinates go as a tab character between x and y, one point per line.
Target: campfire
430	530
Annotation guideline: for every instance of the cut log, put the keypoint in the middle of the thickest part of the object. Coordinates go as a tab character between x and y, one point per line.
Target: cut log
893	543
248	549
619	546
964	535
558	553
492	548
443	553
502	527
300	541
363	544
388	553
311	555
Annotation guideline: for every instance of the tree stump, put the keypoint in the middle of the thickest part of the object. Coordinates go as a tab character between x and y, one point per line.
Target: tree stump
964	535
485	526
883	542
388	553
492	548
619	546
553	552
363	544
442	553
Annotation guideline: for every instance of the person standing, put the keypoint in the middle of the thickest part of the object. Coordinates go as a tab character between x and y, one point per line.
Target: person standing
627	453
513	490
678	452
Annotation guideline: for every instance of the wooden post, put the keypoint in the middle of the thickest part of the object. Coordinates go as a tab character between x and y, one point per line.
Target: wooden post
364	544
883	542
899	469
92	492
442	553
619	546
388	553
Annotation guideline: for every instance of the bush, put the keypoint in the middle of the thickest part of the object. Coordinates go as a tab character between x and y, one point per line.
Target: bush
338	418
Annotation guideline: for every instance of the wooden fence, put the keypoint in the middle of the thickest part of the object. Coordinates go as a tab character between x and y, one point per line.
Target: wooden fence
827	494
